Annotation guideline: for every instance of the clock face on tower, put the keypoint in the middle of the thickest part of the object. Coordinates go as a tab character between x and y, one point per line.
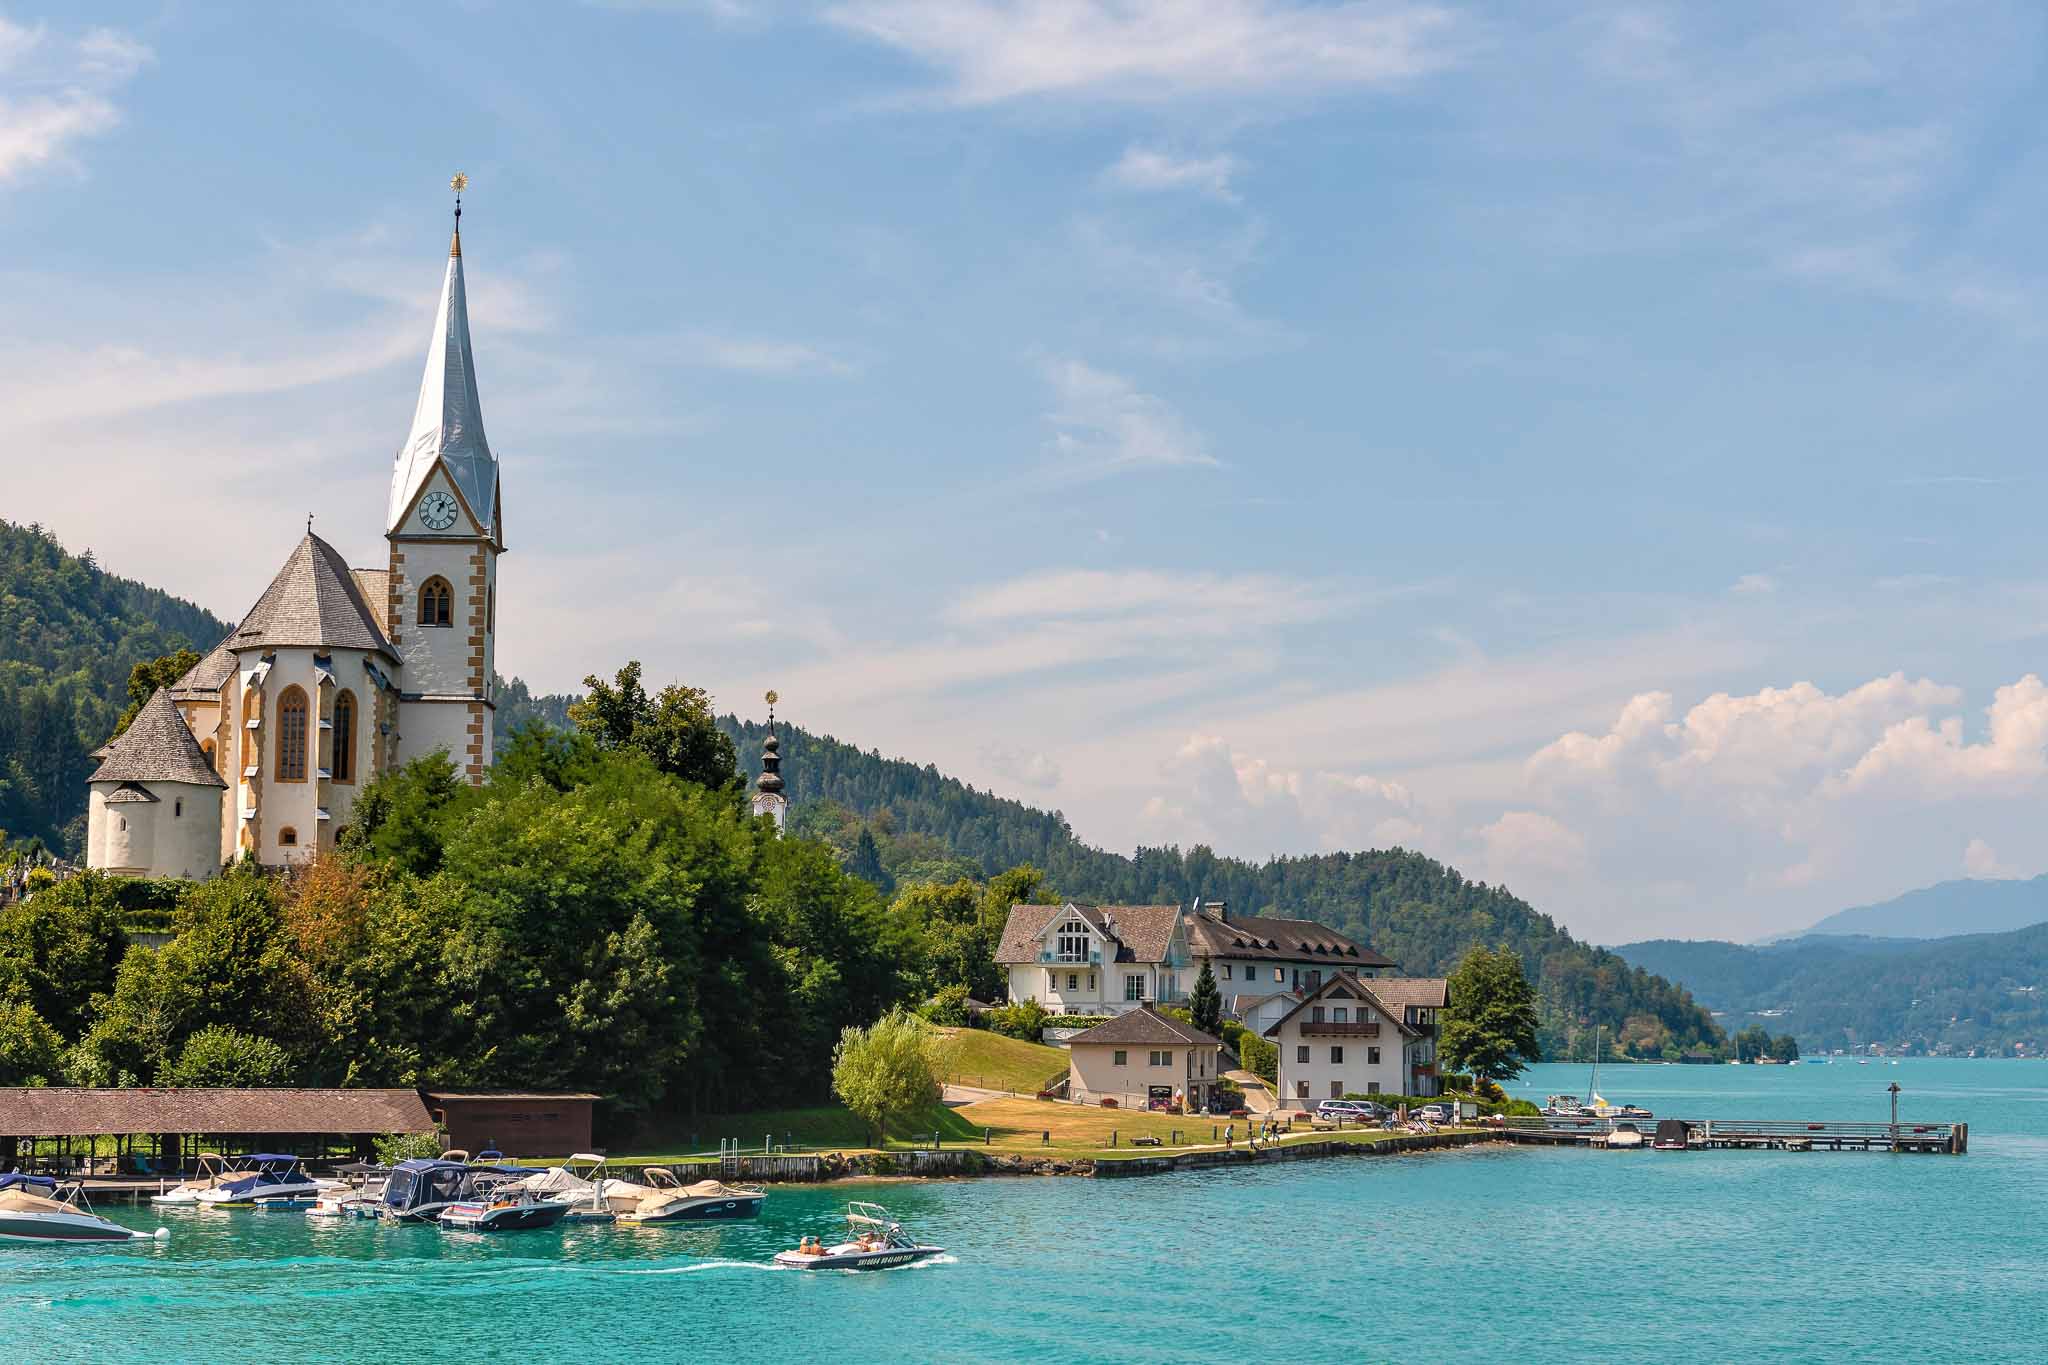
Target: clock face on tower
437	511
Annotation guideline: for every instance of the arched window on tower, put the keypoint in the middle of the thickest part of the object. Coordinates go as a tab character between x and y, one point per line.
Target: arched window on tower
437	603
288	837
291	735
344	766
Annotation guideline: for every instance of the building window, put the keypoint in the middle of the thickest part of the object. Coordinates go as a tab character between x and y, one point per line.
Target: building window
1119	1057
1301	1090
1372	1087
437	603
1134	988
1162	1059
1301	1053
1073	944
344	766
288	837
1091	981
1073	981
1336	1090
1336	1056
1339	1014
1052	982
1372	1056
1315	979
178	809
1315	1014
291	735
1226	971
1279	976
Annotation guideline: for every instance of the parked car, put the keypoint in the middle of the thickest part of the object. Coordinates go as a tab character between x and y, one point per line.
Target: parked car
1350	1111
1434	1113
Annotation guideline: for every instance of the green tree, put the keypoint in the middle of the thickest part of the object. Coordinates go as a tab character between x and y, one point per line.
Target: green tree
887	1071
65	944
145	678
31	1053
675	727
1752	1043
1205	1004
1490	1027
218	1055
404	816
1785	1048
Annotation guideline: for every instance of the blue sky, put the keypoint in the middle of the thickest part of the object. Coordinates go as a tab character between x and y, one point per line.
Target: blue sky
1591	444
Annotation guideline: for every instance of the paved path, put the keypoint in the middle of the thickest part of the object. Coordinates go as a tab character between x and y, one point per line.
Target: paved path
968	1094
1257	1098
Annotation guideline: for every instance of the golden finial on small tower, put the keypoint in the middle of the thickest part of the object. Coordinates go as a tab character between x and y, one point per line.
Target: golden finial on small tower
458	182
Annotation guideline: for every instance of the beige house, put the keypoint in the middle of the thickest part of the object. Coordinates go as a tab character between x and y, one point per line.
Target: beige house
1144	1059
1096	959
1353	1036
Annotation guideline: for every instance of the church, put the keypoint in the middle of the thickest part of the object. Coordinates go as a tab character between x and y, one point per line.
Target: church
336	674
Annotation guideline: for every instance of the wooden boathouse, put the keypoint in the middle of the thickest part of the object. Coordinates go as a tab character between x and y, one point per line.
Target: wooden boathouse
153	1131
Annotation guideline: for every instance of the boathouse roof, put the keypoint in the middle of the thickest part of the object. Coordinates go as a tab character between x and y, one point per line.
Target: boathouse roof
65	1111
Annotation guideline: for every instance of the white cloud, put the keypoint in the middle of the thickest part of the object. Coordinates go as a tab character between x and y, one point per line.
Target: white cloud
760	355
1149	169
1980	860
1210	792
61	92
1107	426
1029	767
1754	585
1176	601
1146	51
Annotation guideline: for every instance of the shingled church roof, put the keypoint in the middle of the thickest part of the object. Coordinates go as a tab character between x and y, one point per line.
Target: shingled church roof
313	601
157	747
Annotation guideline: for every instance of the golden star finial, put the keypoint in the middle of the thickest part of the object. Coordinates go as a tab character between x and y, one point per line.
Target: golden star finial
459	183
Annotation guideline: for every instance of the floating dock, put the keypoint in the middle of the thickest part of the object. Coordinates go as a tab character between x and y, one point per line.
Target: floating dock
1946	1139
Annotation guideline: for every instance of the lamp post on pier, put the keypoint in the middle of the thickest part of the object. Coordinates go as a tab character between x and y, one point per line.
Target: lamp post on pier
1894	1089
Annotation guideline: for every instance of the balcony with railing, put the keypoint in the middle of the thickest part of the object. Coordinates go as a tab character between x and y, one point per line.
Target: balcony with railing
1053	958
1333	1028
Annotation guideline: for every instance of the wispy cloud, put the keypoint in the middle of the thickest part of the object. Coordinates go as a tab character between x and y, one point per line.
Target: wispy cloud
1149	169
60	92
1104	425
1148	51
761	355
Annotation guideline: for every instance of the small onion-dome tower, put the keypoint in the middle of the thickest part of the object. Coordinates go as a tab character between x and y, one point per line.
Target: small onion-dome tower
768	797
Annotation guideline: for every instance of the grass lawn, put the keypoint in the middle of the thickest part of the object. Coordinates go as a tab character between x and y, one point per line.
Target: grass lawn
989	1061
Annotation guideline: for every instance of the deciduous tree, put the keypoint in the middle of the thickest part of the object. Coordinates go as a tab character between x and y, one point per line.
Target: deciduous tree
886	1071
1490	1026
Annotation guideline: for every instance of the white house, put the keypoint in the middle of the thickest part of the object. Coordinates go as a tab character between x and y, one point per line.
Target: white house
1144	1059
1257	955
1090	959
1348	1037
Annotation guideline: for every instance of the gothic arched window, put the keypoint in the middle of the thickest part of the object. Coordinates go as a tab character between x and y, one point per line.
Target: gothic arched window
343	769
291	735
437	603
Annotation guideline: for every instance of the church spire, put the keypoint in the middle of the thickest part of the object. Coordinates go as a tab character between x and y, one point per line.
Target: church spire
768	797
448	423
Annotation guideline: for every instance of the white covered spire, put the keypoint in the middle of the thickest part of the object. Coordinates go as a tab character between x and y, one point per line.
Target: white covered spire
448	424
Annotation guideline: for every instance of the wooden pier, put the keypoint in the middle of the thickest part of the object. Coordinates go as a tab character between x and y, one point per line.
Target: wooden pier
1947	1139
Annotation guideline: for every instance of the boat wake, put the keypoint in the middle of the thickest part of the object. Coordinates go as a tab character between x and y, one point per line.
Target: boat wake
702	1265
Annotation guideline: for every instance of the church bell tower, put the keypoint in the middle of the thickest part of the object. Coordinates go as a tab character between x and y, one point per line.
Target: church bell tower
445	532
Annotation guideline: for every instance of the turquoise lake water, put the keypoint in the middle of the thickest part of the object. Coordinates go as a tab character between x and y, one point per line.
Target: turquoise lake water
1483	1254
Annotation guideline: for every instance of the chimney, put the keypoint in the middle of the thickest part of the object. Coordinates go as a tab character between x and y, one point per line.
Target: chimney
1219	909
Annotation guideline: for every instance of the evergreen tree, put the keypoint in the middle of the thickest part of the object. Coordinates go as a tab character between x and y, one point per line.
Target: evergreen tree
865	862
1206	1003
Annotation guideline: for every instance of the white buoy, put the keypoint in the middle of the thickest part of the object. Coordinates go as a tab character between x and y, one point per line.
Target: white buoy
163	1234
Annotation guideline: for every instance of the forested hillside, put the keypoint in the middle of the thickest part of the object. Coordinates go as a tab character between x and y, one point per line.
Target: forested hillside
914	823
69	634
1976	991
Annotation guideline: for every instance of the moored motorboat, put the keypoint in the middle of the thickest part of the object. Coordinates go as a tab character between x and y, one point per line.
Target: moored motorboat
504	1210
418	1189
214	1170
578	1183
350	1196
272	1180
664	1199
34	1209
1625	1136
875	1240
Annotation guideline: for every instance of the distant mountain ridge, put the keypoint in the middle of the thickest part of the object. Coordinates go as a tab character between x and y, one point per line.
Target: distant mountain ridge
1944	910
1971	991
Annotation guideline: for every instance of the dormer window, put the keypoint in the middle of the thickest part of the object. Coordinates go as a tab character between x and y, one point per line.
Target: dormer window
1073	941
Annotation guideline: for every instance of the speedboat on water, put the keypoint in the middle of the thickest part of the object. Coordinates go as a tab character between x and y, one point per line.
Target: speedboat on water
271	1180
504	1209
1563	1107
874	1241
350	1196
34	1209
664	1199
214	1171
1625	1136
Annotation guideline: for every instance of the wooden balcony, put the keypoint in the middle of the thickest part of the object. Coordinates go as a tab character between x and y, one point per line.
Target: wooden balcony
1329	1029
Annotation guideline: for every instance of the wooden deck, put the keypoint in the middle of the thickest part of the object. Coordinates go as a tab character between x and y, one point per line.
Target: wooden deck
1948	1139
